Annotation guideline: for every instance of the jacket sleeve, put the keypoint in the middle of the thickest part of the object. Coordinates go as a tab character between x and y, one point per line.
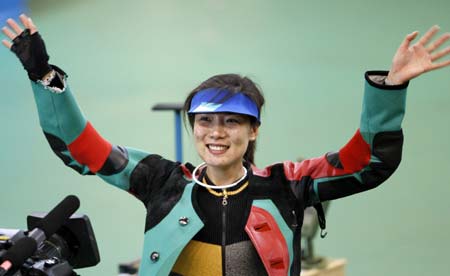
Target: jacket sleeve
76	142
368	159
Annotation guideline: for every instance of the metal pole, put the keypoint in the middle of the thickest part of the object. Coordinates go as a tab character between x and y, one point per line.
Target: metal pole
178	137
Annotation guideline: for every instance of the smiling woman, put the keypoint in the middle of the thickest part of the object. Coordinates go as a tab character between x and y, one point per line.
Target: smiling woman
238	220
221	141
225	122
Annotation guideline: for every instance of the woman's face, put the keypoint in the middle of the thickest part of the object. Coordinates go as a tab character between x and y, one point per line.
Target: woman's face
221	139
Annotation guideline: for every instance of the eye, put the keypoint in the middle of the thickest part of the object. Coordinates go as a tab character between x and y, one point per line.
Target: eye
203	118
235	120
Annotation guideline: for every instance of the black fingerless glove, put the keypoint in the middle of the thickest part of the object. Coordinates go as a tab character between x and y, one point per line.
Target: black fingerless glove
30	49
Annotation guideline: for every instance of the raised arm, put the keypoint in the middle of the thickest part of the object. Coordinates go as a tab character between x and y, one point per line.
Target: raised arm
71	136
374	152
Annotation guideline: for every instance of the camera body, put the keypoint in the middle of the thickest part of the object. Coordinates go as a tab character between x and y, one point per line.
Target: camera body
72	246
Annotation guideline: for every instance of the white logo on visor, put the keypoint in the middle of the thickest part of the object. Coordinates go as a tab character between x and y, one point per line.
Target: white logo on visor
206	107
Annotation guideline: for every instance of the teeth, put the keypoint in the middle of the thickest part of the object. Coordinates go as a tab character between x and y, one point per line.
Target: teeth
217	147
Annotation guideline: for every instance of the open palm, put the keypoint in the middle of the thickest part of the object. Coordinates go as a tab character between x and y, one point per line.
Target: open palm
411	61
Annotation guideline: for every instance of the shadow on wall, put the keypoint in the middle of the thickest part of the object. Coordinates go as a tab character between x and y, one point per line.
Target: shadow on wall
13	8
54	5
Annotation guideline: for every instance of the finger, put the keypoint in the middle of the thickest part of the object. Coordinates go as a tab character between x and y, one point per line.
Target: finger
33	27
28	23
428	35
14	26
9	33
434	45
7	43
405	44
25	20
440	65
440	54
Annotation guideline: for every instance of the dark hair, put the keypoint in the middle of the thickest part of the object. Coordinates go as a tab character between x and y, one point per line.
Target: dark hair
233	83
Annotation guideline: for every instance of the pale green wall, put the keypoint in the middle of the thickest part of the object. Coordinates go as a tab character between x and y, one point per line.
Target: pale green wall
308	56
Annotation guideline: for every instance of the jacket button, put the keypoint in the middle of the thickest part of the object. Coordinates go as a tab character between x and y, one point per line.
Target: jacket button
154	257
183	221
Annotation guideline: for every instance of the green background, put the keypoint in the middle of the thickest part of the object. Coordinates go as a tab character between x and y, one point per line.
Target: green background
309	57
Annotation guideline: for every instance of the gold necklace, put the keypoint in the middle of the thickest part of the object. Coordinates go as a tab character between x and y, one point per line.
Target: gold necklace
225	193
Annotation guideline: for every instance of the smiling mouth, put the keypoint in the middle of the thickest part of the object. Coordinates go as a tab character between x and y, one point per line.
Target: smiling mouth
217	148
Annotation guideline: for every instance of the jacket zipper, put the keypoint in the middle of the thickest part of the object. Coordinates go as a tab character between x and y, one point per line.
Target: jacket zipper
224	232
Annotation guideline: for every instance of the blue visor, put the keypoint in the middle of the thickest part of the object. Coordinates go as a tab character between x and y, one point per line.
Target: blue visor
215	100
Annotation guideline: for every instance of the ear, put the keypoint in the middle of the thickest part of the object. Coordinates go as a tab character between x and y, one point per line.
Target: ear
254	131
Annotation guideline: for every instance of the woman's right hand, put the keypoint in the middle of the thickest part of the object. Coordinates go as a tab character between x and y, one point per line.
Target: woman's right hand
16	29
28	46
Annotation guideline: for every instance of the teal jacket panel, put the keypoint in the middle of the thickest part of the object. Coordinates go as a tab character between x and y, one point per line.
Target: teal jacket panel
164	242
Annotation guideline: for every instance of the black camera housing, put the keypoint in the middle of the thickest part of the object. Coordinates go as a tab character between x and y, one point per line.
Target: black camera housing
79	237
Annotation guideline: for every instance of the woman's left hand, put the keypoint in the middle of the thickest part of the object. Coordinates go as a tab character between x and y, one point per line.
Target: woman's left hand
412	61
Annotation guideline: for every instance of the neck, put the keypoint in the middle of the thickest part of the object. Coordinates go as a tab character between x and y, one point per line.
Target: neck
221	176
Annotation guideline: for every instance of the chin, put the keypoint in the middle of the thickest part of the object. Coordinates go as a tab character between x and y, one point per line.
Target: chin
215	163
219	163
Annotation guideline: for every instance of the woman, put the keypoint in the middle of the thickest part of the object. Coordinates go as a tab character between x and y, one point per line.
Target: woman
225	216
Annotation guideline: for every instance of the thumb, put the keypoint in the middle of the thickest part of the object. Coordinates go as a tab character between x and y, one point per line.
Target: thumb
410	37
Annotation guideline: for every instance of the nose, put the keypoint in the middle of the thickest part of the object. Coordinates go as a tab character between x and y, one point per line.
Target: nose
217	130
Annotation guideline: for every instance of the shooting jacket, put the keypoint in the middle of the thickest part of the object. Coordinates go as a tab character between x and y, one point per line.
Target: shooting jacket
274	199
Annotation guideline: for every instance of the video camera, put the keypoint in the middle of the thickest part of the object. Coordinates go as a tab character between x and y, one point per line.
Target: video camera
59	242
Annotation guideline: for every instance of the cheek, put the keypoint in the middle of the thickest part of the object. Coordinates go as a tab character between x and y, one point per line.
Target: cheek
198	141
199	137
198	133
241	140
